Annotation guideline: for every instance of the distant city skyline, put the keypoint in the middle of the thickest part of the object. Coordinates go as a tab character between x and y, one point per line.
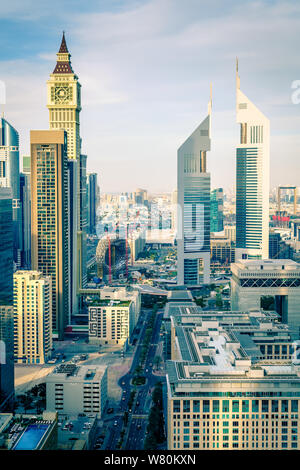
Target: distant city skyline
141	64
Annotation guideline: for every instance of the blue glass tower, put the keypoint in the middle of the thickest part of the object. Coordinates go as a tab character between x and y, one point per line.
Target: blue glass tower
10	178
6	301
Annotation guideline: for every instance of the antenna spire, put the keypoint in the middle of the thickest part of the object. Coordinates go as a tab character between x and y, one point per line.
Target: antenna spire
237	73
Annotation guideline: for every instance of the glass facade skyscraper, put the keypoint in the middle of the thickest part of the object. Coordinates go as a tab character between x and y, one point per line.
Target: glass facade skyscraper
216	210
252	180
92	202
193	218
6	301
10	178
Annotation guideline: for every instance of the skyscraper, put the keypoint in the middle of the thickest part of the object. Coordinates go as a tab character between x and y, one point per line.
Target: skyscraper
252	180
32	317
73	224
82	216
193	219
10	177
49	218
216	210
25	203
64	104
92	202
6	301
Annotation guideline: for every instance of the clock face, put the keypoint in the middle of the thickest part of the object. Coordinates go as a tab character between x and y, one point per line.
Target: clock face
62	94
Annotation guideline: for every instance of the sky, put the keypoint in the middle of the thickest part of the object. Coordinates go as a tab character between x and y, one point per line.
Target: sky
145	68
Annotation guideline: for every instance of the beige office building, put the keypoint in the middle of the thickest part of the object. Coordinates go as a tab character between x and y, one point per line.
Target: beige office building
111	321
223	394
32	317
72	389
49	218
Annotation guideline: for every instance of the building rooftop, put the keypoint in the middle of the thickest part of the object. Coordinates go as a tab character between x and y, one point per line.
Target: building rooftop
81	373
180	295
73	431
266	265
220	347
110	303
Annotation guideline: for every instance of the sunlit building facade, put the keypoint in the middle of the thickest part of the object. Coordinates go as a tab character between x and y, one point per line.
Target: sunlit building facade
32	317
49	219
193	216
252	180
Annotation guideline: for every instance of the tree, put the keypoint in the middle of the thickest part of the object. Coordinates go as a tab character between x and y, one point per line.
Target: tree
157	361
200	301
219	301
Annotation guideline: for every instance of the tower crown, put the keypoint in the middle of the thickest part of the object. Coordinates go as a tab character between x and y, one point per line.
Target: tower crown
63	64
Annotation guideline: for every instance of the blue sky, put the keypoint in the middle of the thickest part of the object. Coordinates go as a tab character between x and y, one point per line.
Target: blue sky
145	69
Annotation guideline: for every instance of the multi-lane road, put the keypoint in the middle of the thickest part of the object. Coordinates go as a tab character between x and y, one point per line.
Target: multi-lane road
135	431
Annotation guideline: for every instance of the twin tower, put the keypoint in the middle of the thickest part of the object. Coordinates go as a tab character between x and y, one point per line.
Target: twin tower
252	193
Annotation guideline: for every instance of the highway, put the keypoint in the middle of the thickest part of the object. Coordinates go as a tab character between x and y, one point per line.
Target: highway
135	431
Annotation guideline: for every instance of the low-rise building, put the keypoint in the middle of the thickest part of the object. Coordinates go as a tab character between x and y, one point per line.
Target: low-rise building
224	392
32	317
111	322
28	432
73	389
278	278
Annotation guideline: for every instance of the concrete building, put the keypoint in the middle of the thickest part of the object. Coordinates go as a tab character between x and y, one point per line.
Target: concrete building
252	180
111	321
223	393
10	178
123	293
137	241
28	432
32	317
6	301
230	232
193	216
73	389
253	280
222	250
49	219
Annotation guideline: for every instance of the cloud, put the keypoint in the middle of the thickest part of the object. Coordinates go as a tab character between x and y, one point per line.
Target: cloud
145	69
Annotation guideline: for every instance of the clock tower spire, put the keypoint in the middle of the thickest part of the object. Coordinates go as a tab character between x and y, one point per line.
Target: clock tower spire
64	100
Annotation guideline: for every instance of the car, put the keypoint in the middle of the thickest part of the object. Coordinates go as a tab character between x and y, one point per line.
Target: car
116	423
110	410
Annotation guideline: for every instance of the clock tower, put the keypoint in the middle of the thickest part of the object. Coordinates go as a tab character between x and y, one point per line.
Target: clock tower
63	100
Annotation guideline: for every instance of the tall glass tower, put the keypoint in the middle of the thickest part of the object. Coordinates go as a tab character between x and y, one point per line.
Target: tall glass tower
92	202
6	301
193	214
10	178
252	180
216	210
